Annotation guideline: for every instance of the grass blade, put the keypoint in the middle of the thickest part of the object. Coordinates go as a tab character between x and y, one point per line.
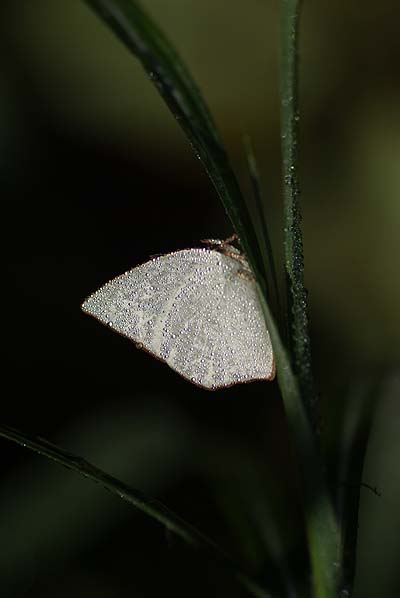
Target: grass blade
175	84
262	232
151	507
294	263
322	529
355	430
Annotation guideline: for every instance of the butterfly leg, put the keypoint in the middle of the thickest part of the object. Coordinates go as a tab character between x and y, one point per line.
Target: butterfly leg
230	239
220	243
246	274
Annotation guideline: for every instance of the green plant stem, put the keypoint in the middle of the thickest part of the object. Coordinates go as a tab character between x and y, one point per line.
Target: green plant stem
151	507
294	264
322	530
321	525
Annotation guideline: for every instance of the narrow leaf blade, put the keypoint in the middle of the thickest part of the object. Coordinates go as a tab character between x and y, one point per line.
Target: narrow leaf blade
173	81
153	508
261	227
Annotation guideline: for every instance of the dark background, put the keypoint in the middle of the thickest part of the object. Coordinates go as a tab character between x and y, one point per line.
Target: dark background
96	177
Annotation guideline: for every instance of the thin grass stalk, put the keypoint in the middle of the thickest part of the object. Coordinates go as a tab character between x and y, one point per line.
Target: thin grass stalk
355	432
264	238
293	239
321	525
322	529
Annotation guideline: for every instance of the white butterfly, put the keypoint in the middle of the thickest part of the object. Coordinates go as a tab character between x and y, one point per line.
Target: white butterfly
197	310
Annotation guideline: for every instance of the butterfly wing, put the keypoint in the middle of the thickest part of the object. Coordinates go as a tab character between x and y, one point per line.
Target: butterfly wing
193	310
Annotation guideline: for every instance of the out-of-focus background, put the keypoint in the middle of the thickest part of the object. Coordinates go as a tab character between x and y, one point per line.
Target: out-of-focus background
95	177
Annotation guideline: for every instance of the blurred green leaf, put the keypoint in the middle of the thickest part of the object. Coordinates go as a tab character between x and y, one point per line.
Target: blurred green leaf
146	446
151	507
362	398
